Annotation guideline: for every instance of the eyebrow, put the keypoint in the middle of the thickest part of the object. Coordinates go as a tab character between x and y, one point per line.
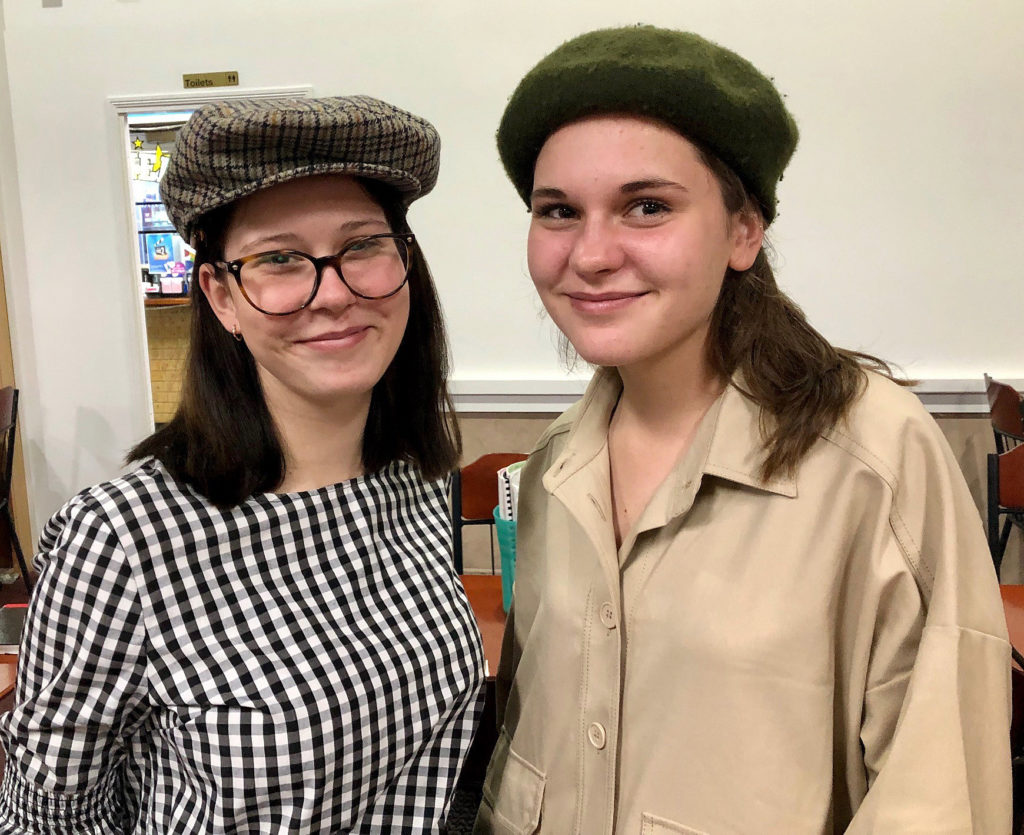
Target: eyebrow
555	193
654	182
631	187
289	238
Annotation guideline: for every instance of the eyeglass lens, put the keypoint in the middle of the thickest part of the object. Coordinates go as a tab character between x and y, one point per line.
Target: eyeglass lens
282	282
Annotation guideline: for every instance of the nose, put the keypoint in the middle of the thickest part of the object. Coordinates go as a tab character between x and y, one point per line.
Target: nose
597	249
333	291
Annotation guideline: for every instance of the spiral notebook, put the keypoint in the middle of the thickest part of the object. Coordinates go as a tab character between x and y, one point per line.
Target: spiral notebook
508	490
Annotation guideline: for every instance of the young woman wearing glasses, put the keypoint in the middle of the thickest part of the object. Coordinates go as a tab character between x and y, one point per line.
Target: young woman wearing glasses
259	628
752	590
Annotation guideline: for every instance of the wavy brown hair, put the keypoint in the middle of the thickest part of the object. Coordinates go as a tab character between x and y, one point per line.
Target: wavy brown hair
803	385
222	440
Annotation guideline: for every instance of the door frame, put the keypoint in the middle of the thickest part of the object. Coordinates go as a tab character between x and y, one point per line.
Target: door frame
19	484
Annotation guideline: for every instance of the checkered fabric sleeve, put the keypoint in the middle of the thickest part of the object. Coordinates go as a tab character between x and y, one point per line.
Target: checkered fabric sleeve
302	663
81	685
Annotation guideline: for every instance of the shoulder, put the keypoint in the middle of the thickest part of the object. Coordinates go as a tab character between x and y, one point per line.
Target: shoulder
134	492
886	428
549	446
598	400
930	508
557	432
402	483
580	427
116	507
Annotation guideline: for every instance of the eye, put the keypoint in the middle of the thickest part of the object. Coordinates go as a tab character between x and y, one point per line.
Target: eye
647	208
367	248
554	211
363	245
277	260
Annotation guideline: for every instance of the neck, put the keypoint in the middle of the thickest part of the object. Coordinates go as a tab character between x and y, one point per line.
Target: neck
663	400
322	444
664	391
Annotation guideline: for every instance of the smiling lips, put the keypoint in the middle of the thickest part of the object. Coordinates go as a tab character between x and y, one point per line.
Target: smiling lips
602	302
336	339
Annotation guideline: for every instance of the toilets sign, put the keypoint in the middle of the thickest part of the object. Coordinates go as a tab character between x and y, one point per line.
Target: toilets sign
197	81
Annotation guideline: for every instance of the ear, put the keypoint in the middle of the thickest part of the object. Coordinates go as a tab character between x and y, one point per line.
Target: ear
747	231
218	293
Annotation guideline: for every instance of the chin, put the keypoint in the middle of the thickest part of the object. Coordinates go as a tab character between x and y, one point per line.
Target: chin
335	391
599	352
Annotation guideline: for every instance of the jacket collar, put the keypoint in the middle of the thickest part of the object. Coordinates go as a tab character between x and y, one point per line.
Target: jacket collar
727	445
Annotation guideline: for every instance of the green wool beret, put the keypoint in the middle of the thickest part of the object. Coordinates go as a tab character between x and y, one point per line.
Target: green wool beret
233	148
711	95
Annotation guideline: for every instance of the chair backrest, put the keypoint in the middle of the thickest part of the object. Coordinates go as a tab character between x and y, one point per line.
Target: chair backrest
1007	418
480	483
1011	478
8	426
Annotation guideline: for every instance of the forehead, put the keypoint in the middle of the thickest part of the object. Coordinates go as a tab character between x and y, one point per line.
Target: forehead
306	198
611	145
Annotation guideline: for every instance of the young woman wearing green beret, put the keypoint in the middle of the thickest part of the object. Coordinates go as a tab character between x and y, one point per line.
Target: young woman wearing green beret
258	628
752	590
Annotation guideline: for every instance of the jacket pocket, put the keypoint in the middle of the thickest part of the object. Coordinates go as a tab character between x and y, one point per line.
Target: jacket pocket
513	791
660	826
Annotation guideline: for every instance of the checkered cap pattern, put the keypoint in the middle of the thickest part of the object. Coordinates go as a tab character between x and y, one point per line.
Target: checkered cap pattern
230	149
303	663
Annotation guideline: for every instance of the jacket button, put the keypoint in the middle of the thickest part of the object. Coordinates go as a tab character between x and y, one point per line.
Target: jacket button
608	615
597	735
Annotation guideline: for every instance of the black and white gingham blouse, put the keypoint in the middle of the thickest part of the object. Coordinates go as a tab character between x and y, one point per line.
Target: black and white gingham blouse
303	663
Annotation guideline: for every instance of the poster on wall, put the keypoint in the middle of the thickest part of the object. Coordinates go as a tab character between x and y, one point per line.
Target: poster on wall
159	252
152	217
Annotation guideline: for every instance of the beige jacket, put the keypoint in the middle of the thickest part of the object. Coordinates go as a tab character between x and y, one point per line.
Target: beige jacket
816	654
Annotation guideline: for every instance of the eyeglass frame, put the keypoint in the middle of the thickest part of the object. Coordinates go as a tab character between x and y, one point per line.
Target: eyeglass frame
235	268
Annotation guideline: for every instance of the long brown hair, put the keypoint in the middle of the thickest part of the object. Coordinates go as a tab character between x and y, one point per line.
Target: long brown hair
761	339
222	440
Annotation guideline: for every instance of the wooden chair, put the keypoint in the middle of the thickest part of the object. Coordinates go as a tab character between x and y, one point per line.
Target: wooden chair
1005	498
484	593
8	670
8	427
1007	410
474	497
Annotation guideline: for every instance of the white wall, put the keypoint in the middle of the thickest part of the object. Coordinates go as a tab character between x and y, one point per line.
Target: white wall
900	222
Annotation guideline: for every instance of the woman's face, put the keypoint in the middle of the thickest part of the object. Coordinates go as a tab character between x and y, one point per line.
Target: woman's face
630	241
334	351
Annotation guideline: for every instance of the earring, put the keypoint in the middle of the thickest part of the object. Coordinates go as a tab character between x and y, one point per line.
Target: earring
236	333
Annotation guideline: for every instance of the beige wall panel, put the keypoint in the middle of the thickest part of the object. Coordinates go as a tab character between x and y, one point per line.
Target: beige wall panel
483	433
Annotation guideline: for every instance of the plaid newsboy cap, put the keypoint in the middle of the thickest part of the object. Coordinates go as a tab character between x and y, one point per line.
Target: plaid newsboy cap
236	147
